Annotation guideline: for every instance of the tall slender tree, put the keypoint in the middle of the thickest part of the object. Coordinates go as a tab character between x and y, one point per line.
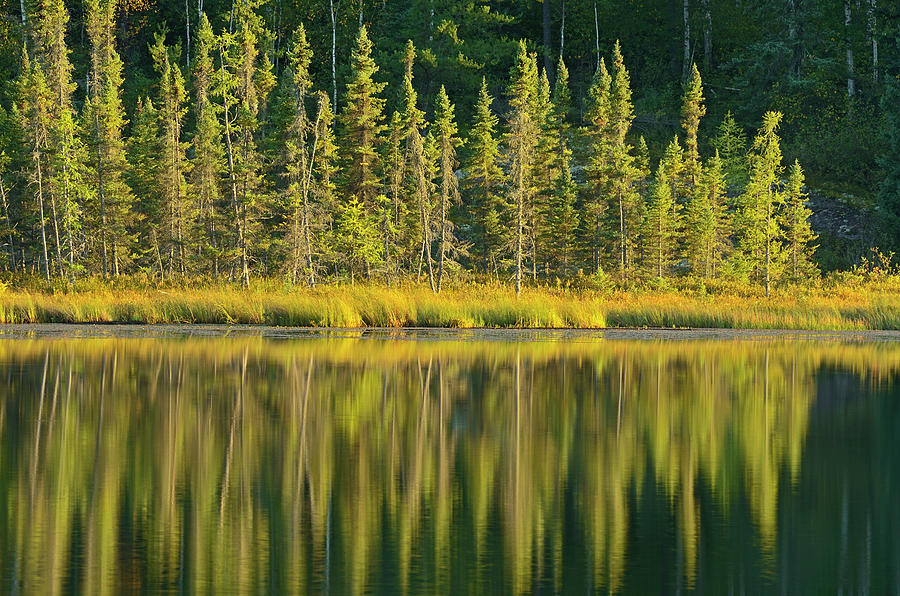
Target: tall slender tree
601	139
447	140
521	143
798	233
207	161
106	116
172	182
483	182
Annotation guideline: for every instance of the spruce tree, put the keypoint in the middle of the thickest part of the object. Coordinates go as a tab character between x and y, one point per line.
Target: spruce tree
761	237
692	110
106	116
325	168
660	227
299	155
621	161
362	124
731	143
357	237
143	154
418	164
34	97
707	221
207	161
445	130
175	219
483	181
521	143
798	234
599	170
67	166
546	162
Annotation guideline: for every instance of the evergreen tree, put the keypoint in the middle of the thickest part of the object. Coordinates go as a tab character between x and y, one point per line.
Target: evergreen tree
418	164
692	110
447	141
642	187
34	97
601	139
362	124
299	155
661	222
760	240
798	234
143	154
889	191
621	161
68	159
546	162
172	184
325	167
521	143
707	221
106	116
731	143
357	237
483	181
207	162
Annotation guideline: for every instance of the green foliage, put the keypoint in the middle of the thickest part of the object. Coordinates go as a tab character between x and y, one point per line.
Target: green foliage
798	234
889	193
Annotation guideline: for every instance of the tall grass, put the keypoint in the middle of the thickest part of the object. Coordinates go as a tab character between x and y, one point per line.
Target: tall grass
475	305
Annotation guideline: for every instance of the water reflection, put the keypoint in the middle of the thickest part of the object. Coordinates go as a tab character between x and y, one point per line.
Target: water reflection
348	465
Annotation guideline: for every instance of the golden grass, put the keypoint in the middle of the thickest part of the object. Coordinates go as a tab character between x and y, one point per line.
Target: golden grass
466	306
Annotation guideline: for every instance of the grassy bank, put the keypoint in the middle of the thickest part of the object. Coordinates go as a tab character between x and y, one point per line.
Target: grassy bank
857	306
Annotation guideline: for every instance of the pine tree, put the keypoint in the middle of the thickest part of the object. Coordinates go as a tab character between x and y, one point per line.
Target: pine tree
760	240
172	184
798	233
447	141
642	188
207	163
106	116
521	143
483	181
707	221
601	139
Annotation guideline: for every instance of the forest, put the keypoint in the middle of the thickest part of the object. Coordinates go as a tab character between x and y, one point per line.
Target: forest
512	141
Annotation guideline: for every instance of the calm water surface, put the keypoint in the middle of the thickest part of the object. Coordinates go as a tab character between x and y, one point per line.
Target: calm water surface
345	463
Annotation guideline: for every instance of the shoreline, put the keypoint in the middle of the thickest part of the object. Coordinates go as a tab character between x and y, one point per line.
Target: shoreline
50	331
865	308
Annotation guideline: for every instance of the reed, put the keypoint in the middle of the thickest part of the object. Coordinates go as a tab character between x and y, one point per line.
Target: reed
864	307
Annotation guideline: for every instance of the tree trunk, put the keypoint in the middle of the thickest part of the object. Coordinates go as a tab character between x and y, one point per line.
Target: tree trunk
548	43
9	229
623	263
686	58
37	163
795	37
53	213
707	36
872	30
851	78
562	29
102	194
187	35
597	35
22	8
443	248
333	55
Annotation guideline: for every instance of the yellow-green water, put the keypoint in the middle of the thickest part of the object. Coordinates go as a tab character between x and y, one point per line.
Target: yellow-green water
471	462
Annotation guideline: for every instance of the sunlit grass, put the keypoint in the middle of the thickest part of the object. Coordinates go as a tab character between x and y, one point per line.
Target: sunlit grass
867	306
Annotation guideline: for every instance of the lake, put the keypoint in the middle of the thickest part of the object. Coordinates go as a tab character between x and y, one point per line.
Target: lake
242	460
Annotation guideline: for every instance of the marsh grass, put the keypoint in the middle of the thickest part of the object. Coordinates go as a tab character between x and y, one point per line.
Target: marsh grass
866	305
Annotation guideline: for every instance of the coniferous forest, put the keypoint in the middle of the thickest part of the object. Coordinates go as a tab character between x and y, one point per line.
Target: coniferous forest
441	140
